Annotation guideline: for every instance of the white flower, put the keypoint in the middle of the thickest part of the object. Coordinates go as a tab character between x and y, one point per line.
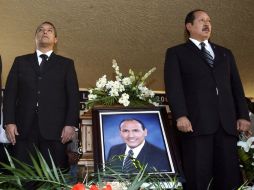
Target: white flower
132	75
114	64
92	96
123	90
126	81
250	141
244	145
124	99
116	67
145	92
114	87
113	92
154	103
100	84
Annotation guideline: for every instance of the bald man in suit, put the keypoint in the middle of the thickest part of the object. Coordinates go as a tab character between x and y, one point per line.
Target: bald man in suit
133	133
41	100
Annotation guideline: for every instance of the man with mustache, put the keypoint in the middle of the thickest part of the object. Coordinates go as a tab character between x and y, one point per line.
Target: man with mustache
207	101
41	101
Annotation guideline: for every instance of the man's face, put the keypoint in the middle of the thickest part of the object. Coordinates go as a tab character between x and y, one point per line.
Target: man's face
45	36
201	27
132	133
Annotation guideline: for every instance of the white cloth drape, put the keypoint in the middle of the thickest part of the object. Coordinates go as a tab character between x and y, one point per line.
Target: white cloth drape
3	138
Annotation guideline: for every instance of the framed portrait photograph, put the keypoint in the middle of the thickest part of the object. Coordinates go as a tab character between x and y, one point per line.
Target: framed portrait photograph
139	133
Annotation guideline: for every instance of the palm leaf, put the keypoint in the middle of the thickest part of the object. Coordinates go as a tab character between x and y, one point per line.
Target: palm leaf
40	172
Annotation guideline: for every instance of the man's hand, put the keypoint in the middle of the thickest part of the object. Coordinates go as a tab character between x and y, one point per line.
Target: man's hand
183	124
11	132
68	133
244	126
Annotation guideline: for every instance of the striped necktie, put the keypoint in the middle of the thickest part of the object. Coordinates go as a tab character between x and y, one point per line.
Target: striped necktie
127	165
206	54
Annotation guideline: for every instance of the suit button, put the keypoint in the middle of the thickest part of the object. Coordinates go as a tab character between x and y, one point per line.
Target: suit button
38	92
39	78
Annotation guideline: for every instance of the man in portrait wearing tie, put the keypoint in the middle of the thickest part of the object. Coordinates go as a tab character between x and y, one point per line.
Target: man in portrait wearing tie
133	133
207	101
41	101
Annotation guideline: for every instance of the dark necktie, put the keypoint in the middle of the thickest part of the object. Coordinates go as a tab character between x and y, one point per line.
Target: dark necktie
44	58
127	165
206	54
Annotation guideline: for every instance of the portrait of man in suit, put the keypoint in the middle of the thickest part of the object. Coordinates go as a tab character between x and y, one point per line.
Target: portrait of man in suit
135	146
41	101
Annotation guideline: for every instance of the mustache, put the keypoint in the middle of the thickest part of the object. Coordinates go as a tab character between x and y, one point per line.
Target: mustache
205	28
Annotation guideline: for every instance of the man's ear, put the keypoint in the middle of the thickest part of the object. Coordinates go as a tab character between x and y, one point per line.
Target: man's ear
146	132
188	26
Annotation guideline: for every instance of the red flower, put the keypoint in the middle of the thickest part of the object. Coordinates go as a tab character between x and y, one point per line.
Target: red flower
108	187
78	186
94	187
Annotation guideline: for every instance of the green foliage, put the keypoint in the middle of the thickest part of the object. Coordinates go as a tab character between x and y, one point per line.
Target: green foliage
19	174
45	177
134	181
246	157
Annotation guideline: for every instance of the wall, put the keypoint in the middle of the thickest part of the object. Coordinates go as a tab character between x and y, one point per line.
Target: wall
135	32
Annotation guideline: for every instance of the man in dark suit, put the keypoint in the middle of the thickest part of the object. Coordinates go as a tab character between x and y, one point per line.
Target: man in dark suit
2	152
41	100
206	98
133	133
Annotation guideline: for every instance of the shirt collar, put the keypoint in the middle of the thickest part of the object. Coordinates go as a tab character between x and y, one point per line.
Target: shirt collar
47	53
197	43
136	150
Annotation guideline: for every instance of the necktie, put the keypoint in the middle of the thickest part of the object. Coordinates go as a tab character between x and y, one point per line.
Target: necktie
206	54
44	58
127	165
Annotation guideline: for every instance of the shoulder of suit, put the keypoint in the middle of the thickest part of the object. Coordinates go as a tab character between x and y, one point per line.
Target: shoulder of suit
60	57
150	145
179	46
219	47
25	56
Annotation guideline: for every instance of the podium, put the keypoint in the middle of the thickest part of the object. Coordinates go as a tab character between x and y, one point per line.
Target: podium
86	162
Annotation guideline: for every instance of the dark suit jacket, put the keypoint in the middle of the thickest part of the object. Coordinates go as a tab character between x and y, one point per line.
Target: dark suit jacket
151	155
55	90
191	88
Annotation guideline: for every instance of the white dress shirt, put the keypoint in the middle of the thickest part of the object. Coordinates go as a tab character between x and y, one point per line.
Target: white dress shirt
39	53
207	46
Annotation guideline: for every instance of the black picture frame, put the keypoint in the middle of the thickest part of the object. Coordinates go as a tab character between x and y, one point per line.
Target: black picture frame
106	122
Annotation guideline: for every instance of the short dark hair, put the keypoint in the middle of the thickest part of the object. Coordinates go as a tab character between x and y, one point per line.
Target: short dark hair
49	23
190	17
132	119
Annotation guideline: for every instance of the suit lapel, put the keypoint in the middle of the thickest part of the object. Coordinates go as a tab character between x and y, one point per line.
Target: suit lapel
197	52
216	53
35	64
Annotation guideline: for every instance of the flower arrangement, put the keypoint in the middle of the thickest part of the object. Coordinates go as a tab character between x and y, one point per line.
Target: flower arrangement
126	90
46	177
246	156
